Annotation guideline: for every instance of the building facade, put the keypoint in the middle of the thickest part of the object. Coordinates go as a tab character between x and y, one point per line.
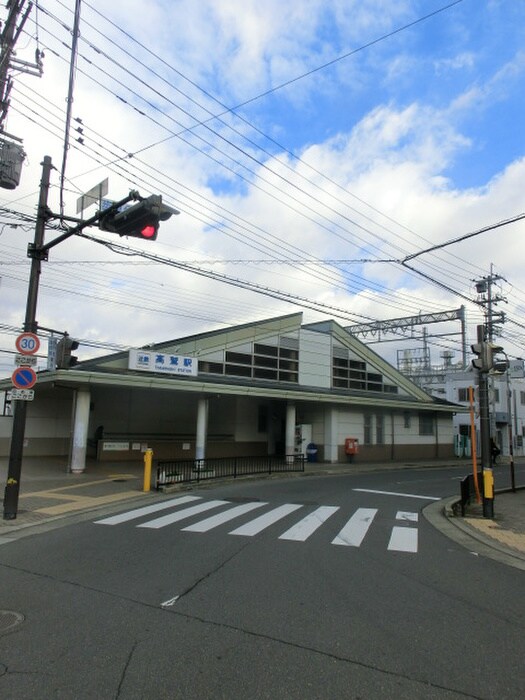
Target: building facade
268	387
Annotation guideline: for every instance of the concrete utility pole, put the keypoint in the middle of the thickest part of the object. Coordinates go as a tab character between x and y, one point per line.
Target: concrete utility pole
8	39
12	488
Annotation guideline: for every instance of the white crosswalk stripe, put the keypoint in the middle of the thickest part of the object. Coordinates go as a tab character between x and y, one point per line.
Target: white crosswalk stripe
263	521
308	525
147	510
356	528
181	514
221	518
403	537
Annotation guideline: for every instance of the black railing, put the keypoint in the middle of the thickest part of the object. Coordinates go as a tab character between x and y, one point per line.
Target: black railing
186	471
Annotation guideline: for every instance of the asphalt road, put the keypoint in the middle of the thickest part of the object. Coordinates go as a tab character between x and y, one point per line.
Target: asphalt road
321	587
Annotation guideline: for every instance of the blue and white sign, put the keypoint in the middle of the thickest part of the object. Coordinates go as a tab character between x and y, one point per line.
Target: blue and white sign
149	361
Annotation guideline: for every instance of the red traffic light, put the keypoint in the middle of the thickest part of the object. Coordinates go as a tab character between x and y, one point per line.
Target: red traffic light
141	220
149	231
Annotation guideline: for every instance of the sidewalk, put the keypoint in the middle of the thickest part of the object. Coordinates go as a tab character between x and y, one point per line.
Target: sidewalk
48	493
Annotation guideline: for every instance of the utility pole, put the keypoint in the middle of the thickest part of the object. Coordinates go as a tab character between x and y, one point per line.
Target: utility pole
141	220
483	364
12	488
488	300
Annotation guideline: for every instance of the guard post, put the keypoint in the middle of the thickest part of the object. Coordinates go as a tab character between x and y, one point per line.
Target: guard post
148	459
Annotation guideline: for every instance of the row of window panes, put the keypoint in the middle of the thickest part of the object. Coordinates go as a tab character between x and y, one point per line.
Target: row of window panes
364	386
274	351
351	364
426	426
261	373
287	371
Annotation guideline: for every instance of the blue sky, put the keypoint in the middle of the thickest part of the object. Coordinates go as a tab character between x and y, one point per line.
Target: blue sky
412	140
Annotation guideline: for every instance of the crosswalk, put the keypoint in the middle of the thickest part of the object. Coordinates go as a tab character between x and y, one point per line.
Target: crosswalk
262	516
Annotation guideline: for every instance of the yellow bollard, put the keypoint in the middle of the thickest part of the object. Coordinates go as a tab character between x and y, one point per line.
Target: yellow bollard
148	459
488	483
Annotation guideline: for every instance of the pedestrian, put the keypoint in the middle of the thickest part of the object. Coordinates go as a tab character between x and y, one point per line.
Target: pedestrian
494	451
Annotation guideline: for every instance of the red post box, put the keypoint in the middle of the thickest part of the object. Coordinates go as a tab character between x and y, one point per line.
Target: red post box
351	446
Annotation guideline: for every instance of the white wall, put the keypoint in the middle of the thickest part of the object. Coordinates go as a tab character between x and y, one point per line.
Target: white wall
315	359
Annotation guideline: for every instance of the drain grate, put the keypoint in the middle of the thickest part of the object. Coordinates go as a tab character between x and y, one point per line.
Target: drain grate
9	620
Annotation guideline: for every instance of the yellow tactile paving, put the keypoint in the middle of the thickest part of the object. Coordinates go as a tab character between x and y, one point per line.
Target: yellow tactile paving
84	502
492	529
35	494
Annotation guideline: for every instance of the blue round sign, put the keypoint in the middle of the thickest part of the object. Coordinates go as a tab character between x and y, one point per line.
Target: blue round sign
24	378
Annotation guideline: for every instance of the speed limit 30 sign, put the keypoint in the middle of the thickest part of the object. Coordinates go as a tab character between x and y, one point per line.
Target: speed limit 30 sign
27	343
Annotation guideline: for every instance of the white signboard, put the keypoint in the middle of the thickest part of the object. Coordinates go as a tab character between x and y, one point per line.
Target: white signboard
115	446
26	360
149	361
516	369
22	394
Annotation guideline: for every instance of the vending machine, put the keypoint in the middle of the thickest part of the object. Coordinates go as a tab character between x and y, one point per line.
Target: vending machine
303	437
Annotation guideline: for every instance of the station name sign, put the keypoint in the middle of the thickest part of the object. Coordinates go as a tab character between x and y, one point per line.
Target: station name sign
167	363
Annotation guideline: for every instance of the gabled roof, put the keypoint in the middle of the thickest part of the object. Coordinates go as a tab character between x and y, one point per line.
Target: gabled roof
195	345
113	369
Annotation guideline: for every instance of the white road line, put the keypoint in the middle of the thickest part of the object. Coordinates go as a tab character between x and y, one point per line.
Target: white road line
226	516
394	493
403	515
264	521
139	512
308	525
170	602
356	528
403	539
182	514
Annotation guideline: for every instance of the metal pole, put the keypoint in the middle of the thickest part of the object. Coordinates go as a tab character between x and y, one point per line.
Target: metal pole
484	429
12	488
511	437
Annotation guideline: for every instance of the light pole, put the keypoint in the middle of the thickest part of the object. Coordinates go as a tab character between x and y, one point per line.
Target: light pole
12	488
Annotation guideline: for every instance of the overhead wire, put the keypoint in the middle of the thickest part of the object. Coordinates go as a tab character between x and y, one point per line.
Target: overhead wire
248	154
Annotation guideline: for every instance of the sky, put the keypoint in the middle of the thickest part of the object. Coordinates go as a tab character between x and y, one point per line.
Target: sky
316	149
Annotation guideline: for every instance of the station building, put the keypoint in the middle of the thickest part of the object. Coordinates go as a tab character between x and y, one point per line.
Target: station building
270	387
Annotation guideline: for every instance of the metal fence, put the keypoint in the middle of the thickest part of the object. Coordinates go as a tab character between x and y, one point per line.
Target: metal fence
172	472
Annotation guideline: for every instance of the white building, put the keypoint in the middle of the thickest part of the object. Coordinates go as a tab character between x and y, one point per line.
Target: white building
261	388
506	404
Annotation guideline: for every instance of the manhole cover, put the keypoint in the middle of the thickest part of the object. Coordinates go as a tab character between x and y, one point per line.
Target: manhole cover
9	620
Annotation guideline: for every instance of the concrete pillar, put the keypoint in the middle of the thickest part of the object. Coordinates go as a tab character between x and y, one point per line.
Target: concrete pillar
290	429
202	428
331	452
80	431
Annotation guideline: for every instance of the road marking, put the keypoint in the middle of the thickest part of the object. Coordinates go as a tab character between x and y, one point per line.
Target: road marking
411	517
146	510
394	493
182	514
170	602
403	539
308	525
356	528
226	516
263	521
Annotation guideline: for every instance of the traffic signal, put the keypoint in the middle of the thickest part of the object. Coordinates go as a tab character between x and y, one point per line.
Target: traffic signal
141	220
64	358
480	362
497	365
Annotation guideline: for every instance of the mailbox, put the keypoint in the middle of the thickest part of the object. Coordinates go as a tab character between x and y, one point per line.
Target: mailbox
351	446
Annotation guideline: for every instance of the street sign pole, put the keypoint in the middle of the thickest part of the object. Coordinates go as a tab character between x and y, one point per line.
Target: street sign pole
12	488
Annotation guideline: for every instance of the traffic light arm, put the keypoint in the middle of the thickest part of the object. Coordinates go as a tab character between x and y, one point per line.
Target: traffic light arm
41	252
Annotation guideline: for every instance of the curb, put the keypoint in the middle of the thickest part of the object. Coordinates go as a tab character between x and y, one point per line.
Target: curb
441	516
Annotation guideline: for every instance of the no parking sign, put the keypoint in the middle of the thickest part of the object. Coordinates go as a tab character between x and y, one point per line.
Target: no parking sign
24	378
